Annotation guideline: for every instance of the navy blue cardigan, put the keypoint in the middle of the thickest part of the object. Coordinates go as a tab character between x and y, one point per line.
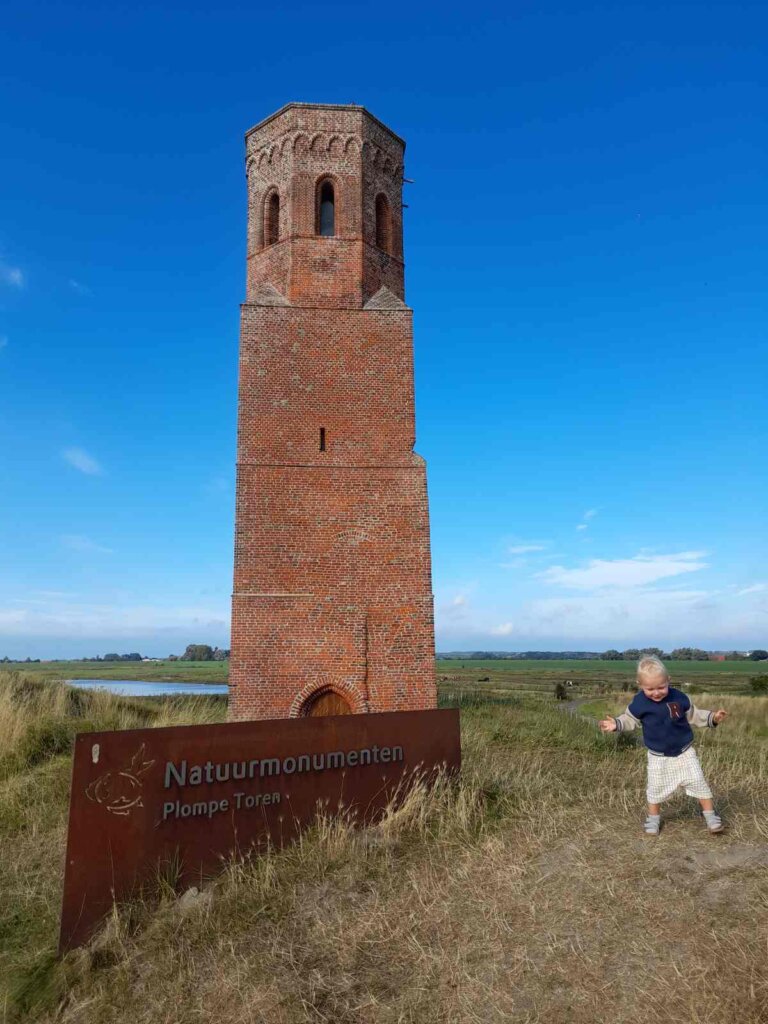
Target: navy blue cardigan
666	723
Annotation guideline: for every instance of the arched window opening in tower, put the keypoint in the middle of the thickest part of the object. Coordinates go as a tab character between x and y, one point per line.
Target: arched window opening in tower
272	219
383	224
326	213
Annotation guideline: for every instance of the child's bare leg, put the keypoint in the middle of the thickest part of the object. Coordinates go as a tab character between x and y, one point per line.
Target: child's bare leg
707	804
656	808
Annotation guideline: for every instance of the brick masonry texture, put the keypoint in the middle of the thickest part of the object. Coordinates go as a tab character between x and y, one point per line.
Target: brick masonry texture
332	584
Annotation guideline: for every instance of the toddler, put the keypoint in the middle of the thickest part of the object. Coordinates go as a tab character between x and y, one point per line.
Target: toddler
666	716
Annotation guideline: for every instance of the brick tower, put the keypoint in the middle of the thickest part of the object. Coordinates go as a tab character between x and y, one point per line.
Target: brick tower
332	603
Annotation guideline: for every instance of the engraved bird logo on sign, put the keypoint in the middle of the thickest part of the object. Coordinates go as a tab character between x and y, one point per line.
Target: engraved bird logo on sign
120	792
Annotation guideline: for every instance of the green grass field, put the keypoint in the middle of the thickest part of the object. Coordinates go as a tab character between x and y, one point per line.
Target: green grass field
525	676
584	669
140	671
494	678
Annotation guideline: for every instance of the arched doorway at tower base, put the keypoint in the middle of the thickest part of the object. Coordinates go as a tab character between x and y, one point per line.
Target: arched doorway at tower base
328	702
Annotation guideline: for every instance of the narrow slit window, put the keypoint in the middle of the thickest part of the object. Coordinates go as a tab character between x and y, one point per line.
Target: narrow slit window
326	214
383	224
322	439
272	220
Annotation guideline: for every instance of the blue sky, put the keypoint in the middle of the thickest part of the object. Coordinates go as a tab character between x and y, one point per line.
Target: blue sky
585	246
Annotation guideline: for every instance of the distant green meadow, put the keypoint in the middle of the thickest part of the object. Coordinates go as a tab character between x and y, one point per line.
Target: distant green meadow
590	669
533	676
137	671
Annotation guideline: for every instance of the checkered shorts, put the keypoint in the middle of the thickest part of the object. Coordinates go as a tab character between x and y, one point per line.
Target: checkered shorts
666	774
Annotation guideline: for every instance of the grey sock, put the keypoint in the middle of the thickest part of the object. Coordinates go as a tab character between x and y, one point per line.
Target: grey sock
652	824
712	819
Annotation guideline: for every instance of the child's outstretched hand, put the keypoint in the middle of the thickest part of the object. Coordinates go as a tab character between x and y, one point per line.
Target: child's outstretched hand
607	725
719	715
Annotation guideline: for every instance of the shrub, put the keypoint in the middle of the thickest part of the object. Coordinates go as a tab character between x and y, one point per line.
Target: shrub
759	684
45	738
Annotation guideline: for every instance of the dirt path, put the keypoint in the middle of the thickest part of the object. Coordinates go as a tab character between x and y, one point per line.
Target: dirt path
571	707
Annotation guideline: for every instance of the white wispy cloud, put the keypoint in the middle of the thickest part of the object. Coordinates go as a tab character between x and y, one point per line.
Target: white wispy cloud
455	608
521	553
11	619
524	549
626	619
585	519
76	542
503	629
624	602
12	276
614	618
624	572
454	602
80	459
78	287
93	620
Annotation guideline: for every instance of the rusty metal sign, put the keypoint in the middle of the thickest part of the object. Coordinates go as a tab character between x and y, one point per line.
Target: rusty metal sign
194	795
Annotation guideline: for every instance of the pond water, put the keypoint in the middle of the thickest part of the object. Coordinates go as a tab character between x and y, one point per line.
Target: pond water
129	688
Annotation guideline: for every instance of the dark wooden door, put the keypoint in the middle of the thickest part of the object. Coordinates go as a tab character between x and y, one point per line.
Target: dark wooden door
328	703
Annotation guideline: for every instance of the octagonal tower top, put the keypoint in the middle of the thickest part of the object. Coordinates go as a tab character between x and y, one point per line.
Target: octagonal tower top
324	208
299	109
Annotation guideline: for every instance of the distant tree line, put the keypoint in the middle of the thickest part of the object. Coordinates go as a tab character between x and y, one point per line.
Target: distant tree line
678	654
519	655
193	652
203	652
633	653
681	654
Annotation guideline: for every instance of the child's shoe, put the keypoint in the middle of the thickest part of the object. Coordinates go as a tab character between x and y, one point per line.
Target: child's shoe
652	825
714	823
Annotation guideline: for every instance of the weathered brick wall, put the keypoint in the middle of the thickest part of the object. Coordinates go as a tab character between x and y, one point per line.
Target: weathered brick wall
332	564
347	370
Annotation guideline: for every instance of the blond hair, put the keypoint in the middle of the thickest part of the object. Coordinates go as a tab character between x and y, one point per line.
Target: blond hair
650	665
